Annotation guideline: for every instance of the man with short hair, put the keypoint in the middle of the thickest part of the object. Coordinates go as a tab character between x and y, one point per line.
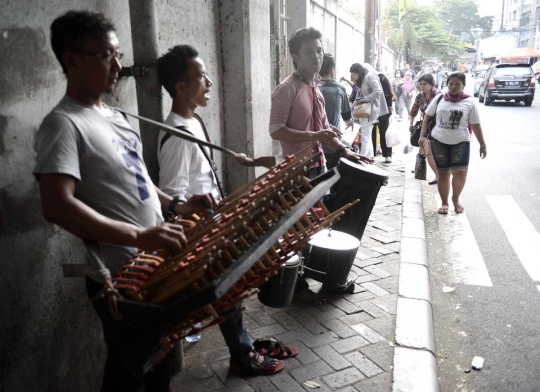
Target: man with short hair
298	118
336	102
408	69
187	168
92	177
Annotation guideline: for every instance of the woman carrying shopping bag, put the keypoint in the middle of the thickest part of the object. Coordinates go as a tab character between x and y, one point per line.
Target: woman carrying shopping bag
450	142
369	92
421	103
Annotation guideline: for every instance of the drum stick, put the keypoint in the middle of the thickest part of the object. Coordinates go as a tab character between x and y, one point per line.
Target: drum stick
243	159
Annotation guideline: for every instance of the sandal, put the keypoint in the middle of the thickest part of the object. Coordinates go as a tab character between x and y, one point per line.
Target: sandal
443	210
459	209
267	366
274	349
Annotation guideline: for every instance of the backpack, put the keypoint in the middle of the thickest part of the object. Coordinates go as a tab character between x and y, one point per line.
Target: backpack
399	89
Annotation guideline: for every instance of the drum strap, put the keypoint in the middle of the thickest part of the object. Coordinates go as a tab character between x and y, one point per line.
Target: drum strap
209	158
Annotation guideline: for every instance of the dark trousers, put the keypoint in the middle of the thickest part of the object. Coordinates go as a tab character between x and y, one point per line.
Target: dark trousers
384	123
117	377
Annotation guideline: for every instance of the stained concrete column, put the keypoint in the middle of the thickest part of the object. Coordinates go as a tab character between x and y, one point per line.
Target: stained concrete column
245	48
145	36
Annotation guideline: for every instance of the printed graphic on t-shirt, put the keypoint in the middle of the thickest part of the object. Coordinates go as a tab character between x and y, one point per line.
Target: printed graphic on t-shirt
453	120
128	148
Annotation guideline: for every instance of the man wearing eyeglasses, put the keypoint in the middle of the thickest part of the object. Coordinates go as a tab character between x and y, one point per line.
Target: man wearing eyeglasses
92	177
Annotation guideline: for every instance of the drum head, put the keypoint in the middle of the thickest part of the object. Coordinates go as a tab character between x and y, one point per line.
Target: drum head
363	170
333	239
292	262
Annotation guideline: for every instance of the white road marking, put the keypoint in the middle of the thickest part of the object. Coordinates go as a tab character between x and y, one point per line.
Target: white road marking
462	250
520	233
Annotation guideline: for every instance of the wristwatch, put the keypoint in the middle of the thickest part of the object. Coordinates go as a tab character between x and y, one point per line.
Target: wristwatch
172	205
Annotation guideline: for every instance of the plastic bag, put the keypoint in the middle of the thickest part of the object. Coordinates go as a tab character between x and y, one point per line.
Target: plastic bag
392	137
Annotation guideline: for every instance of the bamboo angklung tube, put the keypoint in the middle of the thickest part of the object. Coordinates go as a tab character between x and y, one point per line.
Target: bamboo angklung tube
214	243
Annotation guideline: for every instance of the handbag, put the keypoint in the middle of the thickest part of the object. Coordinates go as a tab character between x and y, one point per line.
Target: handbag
420	168
362	110
415	134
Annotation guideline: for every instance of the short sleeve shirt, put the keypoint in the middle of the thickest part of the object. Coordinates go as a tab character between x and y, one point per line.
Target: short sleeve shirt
292	107
184	171
452	120
104	155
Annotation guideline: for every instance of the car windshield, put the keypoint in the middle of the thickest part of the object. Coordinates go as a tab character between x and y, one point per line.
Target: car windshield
513	71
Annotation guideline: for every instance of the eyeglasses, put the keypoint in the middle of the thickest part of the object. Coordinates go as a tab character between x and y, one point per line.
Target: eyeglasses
107	57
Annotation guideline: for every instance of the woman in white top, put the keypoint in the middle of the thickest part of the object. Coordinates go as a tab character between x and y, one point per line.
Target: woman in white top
369	90
450	145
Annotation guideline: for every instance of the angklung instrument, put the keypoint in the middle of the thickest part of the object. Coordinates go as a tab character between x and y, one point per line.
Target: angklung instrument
252	234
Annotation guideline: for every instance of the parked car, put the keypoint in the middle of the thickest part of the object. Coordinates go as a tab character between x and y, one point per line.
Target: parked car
504	82
536	69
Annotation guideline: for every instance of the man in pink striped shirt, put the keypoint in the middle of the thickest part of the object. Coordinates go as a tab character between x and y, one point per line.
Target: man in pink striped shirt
298	118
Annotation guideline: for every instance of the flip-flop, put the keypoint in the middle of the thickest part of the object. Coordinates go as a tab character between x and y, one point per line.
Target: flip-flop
459	209
443	210
274	349
433	182
267	366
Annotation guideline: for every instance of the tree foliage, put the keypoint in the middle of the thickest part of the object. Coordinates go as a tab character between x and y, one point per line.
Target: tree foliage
433	31
461	17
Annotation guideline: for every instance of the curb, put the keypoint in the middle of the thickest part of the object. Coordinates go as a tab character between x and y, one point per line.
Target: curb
415	365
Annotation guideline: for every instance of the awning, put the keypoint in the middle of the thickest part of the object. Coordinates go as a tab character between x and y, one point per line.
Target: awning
520	53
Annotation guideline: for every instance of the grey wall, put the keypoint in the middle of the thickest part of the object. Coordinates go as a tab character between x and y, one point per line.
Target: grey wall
50	338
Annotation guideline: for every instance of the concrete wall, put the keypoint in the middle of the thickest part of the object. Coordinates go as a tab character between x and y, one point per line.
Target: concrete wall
50	338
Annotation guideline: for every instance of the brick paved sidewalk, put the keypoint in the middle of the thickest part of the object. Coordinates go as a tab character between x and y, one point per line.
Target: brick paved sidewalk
345	344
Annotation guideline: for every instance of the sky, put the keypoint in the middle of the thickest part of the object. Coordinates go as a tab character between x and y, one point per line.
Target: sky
485	8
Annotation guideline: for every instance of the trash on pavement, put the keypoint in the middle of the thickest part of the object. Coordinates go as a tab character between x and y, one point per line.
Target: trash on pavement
477	363
447	289
312	384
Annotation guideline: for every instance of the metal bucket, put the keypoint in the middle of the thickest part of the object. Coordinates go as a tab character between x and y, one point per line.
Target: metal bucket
279	290
331	258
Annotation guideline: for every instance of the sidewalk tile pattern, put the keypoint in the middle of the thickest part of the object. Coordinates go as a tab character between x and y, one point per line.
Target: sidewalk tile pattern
346	344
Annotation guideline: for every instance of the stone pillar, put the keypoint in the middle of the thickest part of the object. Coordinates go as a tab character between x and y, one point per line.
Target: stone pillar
245	48
145	36
299	11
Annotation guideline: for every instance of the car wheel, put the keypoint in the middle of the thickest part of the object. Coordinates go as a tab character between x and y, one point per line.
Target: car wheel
475	94
480	97
528	102
487	101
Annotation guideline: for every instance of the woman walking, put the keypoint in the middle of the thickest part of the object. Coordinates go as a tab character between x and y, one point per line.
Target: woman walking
369	90
451	139
408	91
397	92
384	121
421	103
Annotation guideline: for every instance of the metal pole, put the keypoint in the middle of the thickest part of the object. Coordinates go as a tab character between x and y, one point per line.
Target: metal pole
369	31
145	36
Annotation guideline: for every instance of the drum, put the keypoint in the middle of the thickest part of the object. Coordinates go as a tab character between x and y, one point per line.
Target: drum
331	258
358	181
279	290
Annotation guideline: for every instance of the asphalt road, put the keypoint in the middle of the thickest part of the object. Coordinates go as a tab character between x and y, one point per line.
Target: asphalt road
490	256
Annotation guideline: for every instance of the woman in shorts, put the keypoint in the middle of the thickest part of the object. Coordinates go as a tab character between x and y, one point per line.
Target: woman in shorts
455	114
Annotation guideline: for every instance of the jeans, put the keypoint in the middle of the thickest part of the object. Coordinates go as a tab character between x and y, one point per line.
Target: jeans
116	376
451	156
384	123
236	336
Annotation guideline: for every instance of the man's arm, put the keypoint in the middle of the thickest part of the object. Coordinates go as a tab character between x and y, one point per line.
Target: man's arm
62	208
202	204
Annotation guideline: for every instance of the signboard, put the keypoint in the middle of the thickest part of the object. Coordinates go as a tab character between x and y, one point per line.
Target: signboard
523	60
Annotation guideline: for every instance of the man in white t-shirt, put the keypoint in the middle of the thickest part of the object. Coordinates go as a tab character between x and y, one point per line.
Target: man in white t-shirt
186	168
92	177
